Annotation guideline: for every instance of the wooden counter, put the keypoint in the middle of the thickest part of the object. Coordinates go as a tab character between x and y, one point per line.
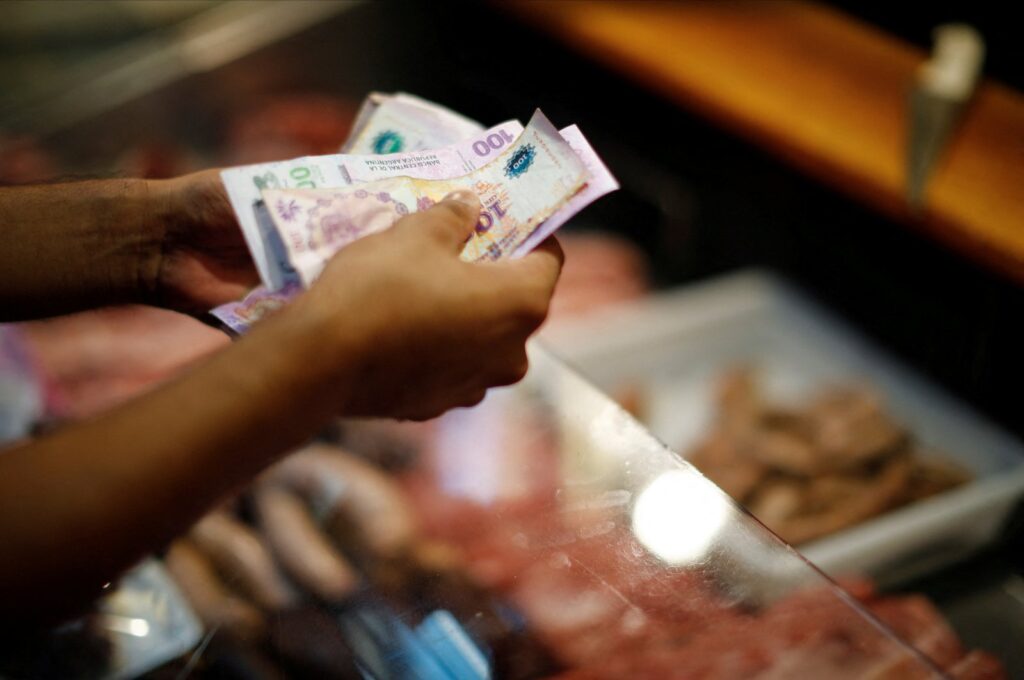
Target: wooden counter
823	91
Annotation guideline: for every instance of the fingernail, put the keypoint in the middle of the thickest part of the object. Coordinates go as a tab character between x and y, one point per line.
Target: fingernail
464	196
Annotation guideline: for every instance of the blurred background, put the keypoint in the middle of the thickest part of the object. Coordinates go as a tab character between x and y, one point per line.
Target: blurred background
716	174
775	139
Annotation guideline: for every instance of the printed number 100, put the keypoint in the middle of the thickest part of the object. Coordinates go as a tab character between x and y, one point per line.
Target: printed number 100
494	141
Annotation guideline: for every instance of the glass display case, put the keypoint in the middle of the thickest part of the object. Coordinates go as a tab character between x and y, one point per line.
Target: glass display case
542	533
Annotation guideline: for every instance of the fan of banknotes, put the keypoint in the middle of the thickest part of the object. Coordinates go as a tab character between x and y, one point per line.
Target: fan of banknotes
404	154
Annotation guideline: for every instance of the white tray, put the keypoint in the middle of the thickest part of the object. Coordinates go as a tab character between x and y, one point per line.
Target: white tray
676	343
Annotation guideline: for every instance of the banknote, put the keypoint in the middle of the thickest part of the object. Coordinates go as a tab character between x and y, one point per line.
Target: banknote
258	304
600	182
244	185
239	316
522	186
460	158
392	123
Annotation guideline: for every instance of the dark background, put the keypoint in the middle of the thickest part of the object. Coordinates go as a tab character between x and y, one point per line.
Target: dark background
699	200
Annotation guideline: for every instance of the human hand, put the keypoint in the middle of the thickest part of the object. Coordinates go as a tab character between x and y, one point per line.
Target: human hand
204	260
412	329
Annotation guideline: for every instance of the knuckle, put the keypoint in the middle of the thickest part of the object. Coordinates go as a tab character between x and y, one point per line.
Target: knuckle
514	370
453	212
547	261
408	227
534	308
445	221
474	398
519	370
556	248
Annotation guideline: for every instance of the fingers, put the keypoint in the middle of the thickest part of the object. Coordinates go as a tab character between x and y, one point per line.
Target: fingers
533	279
517	365
453	219
547	260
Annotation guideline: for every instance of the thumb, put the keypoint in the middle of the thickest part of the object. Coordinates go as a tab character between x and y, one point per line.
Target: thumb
541	267
453	219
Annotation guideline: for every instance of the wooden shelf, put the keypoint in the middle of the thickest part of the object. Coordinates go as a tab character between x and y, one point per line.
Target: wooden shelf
827	93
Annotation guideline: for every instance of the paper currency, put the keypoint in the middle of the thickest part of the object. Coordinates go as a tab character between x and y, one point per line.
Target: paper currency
244	185
239	316
260	303
600	181
392	123
519	189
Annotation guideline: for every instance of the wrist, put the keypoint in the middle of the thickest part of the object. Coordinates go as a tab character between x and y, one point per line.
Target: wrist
130	242
314	358
202	259
164	213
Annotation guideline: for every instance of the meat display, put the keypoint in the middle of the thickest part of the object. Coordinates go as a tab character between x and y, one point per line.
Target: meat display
810	470
607	608
317	557
215	604
238	550
328	563
23	161
94	360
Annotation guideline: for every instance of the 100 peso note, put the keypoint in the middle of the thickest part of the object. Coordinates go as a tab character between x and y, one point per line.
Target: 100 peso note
399	122
529	181
245	186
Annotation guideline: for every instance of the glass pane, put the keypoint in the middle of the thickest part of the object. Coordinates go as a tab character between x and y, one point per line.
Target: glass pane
553	536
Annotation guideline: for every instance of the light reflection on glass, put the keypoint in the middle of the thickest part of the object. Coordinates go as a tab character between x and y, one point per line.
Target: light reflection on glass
468	452
664	514
127	625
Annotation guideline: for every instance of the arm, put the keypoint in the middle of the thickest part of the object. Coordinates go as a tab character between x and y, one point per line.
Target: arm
74	246
397	326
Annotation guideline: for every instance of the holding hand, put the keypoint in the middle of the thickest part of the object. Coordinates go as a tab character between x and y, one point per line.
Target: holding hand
397	326
204	261
415	329
69	247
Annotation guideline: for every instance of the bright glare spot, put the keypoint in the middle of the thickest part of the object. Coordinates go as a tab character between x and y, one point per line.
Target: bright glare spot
138	627
127	625
678	516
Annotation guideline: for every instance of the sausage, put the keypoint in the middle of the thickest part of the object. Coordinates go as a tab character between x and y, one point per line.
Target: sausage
783	449
977	665
720	458
739	400
851	429
301	547
241	556
933	475
777	501
334	480
215	606
865	498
